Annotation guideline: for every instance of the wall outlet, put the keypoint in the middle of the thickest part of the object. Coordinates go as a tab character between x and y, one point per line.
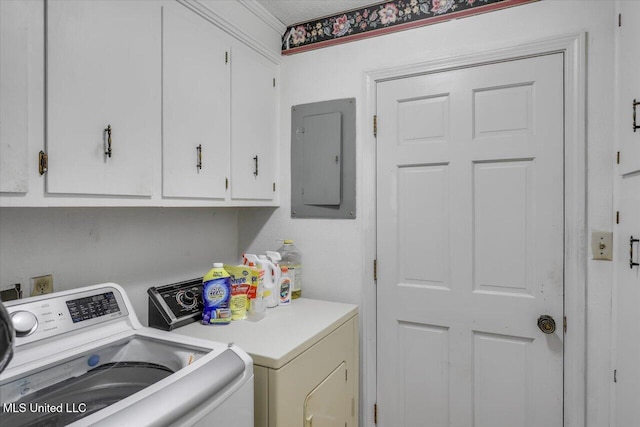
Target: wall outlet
41	285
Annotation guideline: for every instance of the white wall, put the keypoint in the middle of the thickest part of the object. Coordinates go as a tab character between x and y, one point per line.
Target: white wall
334	261
134	247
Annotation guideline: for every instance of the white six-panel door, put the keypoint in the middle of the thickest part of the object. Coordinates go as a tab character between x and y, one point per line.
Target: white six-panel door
470	246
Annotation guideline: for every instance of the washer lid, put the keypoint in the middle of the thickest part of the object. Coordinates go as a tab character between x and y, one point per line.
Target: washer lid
167	401
119	393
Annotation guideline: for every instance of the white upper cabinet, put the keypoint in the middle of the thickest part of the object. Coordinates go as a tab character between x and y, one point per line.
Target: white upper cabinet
103	96
13	97
137	103
195	99
254	116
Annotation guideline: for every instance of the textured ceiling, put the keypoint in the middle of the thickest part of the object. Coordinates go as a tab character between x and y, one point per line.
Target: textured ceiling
291	12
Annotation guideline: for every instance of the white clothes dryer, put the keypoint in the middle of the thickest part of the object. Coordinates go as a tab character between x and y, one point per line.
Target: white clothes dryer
81	357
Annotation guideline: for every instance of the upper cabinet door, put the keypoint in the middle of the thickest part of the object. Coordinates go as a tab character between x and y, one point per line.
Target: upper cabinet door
13	96
103	96
195	84
254	115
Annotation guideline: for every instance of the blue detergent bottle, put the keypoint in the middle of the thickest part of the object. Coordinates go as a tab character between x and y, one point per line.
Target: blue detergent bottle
216	295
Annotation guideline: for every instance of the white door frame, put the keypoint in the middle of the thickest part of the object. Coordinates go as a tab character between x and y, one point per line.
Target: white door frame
575	230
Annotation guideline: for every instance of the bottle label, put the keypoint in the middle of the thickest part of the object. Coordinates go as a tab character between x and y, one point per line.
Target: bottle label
295	273
285	290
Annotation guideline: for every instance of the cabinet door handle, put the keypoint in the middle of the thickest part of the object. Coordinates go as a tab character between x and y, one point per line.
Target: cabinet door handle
108	131
255	159
631	242
199	153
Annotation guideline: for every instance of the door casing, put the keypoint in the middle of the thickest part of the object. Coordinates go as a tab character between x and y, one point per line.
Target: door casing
573	48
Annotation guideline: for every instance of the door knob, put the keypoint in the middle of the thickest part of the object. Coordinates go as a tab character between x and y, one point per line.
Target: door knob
546	324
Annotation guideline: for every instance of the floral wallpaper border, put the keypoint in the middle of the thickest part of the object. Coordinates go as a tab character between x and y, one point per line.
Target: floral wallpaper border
382	18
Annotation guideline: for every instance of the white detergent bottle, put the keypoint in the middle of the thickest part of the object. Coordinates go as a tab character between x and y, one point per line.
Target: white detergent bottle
292	258
285	286
270	281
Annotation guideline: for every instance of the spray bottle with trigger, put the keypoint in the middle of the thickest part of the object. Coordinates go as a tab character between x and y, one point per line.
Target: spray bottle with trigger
271	281
283	286
256	305
267	273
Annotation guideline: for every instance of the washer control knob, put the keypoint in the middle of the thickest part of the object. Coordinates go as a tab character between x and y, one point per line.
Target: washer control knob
189	297
24	323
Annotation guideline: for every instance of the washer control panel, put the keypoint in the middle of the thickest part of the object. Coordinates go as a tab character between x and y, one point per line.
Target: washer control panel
54	314
175	305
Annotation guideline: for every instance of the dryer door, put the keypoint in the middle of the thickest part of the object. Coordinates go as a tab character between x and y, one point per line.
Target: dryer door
326	405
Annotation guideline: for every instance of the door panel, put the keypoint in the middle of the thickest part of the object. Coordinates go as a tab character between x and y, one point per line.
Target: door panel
502	198
424	218
470	246
626	297
627	301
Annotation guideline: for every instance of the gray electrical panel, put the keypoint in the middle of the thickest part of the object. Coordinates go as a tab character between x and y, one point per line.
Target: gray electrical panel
323	161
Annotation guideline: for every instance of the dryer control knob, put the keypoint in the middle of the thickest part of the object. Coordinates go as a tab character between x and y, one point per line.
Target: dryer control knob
24	322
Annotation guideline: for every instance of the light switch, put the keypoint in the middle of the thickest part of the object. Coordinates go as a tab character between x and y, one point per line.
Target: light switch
602	245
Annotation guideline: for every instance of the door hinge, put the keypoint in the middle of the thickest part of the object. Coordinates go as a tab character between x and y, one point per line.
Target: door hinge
617	217
226	183
375	270
375	413
43	162
618	158
375	126
615	375
564	324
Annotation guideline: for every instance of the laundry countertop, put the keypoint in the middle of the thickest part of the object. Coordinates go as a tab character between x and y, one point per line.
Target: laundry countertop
284	333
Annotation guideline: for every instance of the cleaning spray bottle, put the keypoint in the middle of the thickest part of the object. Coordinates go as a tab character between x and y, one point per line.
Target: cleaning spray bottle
271	280
257	307
283	286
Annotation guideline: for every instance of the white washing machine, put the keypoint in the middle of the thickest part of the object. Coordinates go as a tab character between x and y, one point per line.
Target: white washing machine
81	357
